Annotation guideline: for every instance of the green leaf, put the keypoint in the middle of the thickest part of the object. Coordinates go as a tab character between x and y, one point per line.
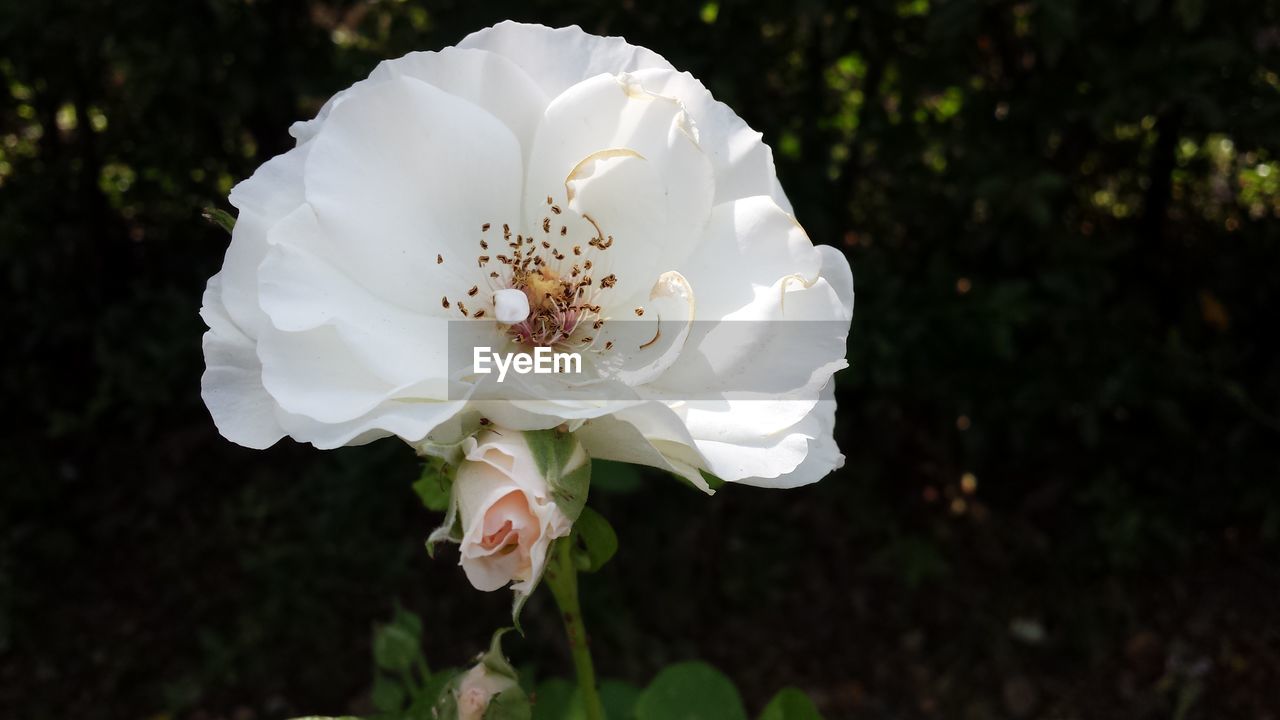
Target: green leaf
435	486
408	620
619	699
690	691
554	700
559	699
608	476
218	217
394	648
596	541
388	695
790	704
441	682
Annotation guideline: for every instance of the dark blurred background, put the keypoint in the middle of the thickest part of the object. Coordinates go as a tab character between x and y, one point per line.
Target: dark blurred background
1062	418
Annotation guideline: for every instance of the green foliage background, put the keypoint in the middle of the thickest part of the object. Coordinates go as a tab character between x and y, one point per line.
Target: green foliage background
1062	416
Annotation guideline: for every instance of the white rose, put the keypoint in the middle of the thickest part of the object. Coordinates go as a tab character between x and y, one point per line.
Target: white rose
508	512
354	252
478	687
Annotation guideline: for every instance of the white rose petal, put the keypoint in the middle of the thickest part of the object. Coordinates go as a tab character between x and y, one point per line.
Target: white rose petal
659	231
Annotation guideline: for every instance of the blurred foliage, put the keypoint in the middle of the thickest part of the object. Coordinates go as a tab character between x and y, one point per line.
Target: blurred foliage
404	688
1062	416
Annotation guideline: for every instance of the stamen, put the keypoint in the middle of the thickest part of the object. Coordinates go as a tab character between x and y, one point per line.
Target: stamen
559	304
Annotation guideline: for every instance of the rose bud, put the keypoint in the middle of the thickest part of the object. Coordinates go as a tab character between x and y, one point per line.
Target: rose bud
512	504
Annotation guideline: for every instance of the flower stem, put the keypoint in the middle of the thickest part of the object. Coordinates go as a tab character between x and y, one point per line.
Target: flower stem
562	578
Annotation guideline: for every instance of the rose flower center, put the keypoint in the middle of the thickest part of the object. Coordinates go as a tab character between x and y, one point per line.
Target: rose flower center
556	276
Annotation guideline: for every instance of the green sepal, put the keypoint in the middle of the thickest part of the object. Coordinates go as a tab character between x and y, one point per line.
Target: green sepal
219	217
595	541
517	605
713	481
451	528
435	486
566	467
510	704
496	662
